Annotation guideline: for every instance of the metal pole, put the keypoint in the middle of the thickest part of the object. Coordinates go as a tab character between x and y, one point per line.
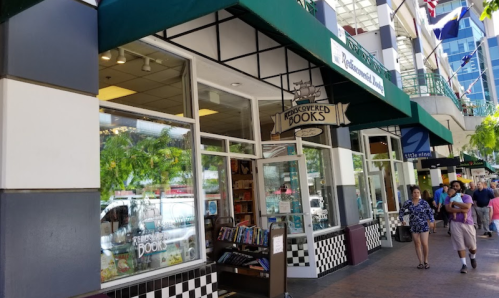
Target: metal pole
392	15
355	15
282	94
426	59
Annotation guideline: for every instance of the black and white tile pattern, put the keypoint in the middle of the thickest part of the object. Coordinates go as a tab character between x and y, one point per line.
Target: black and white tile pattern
373	241
330	253
297	252
394	223
197	283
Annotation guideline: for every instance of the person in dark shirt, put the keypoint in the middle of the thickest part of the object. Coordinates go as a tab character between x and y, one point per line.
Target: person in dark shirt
481	198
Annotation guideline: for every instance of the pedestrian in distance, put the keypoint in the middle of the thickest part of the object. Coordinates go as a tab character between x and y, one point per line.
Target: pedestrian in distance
482	197
470	191
494	210
442	213
433	205
463	233
420	220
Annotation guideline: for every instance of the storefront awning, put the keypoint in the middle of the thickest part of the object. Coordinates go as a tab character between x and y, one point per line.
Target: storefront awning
439	135
474	163
285	21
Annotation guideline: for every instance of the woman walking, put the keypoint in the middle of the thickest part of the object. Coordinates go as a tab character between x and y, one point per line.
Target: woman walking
420	216
494	210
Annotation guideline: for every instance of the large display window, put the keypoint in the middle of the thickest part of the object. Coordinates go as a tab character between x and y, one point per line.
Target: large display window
148	201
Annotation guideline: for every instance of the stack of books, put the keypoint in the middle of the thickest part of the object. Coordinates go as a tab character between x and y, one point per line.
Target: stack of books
240	259
244	235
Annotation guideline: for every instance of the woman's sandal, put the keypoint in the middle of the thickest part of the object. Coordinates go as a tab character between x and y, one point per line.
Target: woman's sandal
426	266
420	266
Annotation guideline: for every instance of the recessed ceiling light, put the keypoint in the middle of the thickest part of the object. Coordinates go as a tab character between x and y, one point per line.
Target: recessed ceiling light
236	84
113	92
202	112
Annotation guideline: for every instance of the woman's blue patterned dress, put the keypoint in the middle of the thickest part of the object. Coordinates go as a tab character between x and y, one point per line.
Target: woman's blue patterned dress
418	215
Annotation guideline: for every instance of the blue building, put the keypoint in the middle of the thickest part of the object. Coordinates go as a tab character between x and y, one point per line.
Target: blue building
471	33
494	61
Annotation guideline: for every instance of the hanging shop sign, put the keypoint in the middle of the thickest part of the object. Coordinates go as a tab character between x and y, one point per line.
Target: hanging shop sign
346	60
309	113
415	142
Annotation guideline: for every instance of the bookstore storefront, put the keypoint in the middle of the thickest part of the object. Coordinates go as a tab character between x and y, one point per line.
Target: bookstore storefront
188	144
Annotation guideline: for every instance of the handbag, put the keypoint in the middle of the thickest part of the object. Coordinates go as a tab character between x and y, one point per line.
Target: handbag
403	234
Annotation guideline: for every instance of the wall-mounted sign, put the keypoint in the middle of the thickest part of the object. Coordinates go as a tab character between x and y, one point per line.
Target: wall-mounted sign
344	59
310	114
478	172
415	142
307	113
472	163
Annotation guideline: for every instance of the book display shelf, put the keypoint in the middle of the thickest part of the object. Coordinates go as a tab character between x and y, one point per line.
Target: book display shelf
243	193
250	259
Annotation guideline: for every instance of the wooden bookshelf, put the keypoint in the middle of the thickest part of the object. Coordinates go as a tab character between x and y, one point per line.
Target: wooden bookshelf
239	278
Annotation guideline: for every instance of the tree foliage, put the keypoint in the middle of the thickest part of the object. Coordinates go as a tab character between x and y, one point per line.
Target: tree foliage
486	136
130	161
488	8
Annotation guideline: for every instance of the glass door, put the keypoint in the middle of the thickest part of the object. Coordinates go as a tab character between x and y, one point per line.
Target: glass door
380	206
284	197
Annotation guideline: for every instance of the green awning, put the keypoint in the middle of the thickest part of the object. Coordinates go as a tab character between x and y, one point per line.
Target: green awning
475	163
439	135
123	21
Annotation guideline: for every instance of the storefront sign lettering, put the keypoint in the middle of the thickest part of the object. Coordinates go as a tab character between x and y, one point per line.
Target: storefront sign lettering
310	114
151	244
472	163
344	59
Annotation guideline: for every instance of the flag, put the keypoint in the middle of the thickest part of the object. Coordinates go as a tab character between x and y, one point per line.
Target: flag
466	59
448	26
432	4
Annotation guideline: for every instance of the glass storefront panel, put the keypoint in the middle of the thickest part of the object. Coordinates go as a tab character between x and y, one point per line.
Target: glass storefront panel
213	145
267	109
400	183
146	77
363	201
243	148
283	194
386	172
355	138
225	114
396	152
320	187
276	150
148	202
378	146
215	185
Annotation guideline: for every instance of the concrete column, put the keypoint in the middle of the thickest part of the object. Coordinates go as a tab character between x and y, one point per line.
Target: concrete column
388	40
409	176
417	47
326	14
451	172
347	199
436	178
49	152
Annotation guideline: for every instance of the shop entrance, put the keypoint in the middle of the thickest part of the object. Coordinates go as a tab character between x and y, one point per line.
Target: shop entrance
380	206
284	197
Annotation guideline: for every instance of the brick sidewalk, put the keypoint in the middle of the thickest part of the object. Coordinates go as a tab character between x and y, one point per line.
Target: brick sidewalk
392	272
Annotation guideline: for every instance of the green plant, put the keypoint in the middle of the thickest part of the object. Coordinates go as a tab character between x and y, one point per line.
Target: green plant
488	8
130	160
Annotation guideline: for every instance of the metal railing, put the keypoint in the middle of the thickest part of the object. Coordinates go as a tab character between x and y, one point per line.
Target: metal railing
479	109
370	60
429	84
309	6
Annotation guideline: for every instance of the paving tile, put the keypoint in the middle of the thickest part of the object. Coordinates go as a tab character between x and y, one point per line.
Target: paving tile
392	272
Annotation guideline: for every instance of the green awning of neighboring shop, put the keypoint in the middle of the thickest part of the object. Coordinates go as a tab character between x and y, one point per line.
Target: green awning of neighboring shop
439	135
474	163
123	21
